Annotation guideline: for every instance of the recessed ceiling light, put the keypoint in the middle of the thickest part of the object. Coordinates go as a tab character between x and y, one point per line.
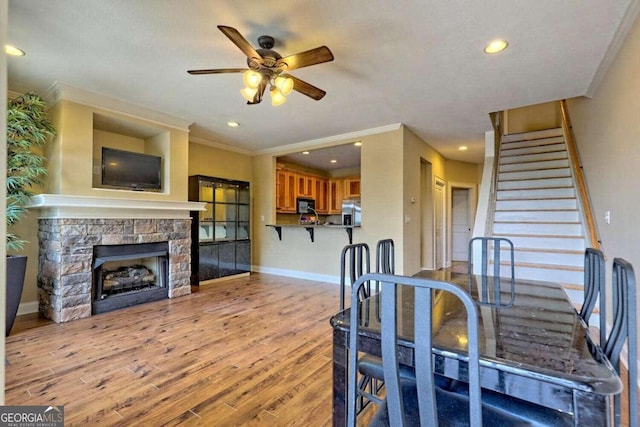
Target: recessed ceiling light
357	144
496	46
13	51
233	124
305	152
334	161
462	148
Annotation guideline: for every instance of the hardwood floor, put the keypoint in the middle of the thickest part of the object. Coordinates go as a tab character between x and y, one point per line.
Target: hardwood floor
250	351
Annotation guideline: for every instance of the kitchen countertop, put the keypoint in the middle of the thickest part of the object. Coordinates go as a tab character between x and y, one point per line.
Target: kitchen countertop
312	227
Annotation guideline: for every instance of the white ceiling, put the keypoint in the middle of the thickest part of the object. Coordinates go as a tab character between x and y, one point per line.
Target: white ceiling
420	63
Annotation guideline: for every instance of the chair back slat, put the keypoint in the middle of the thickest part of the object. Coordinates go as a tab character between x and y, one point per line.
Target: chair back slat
423	294
355	260
594	289
624	329
385	257
484	251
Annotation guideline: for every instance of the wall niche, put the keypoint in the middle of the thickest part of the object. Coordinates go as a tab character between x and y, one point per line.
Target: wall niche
132	136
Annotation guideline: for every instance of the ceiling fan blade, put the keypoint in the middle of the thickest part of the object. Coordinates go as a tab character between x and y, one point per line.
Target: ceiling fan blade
304	59
217	71
306	89
241	42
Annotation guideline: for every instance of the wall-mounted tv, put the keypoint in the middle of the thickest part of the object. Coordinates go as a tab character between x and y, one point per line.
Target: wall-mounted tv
132	171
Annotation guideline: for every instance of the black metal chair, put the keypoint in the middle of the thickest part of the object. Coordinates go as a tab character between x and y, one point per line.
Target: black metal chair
370	367
355	261
594	288
624	329
483	252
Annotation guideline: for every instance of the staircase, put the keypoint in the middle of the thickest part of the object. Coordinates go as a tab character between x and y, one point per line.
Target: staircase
538	210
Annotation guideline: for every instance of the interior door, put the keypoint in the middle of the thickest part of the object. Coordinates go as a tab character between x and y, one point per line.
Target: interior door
439	198
460	224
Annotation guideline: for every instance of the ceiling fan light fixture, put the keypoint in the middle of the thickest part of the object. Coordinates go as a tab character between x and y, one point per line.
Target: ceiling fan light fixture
249	93
284	84
277	98
252	79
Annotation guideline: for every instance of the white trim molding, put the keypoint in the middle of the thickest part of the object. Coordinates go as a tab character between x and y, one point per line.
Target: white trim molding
66	206
60	91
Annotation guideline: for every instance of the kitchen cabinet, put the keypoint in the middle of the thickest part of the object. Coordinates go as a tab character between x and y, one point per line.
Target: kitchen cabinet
351	187
322	195
336	187
220	241
305	186
286	190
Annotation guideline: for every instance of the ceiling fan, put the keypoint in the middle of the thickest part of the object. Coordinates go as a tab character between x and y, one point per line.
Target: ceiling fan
268	68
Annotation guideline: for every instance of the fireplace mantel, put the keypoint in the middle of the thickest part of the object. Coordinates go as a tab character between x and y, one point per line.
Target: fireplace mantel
61	206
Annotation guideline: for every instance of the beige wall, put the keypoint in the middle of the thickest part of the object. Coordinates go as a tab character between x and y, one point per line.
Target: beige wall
211	161
532	118
607	132
3	172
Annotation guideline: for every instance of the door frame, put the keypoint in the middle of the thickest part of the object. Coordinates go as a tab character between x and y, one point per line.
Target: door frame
440	182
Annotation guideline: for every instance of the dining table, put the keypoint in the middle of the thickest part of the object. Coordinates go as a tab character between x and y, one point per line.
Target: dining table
533	345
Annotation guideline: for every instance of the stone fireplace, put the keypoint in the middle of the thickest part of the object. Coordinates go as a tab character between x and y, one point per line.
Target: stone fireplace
68	254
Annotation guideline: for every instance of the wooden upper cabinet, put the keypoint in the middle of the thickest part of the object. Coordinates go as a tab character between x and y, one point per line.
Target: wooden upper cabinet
327	192
351	187
285	191
305	186
322	195
335	196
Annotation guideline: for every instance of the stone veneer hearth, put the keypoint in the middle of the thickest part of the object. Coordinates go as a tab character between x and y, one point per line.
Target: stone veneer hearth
66	255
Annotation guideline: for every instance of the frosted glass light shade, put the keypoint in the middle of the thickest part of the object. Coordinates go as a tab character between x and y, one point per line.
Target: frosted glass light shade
284	84
277	98
252	79
249	93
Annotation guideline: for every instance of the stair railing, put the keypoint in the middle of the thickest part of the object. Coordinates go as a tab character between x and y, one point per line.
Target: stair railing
497	119
576	167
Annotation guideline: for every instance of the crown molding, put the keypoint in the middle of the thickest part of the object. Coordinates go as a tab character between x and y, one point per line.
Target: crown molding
326	141
626	24
225	147
60	91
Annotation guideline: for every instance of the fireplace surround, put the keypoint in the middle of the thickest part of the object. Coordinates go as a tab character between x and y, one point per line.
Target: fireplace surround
66	258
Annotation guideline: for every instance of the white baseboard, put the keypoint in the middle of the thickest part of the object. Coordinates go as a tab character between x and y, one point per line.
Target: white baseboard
297	274
28	308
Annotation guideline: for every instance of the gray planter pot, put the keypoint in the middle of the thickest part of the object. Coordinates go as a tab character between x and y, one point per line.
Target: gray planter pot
16	268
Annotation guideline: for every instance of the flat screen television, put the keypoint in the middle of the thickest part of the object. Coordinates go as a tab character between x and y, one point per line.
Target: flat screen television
132	171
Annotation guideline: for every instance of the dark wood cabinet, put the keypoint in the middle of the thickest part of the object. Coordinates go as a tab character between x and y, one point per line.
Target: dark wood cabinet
220	244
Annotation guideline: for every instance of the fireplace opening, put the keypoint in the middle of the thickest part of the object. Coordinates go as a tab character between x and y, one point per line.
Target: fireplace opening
126	275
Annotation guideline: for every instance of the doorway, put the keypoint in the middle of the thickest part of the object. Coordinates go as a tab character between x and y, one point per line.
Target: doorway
460	224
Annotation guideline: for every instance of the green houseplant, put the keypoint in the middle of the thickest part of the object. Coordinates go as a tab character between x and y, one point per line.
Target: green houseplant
27	128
